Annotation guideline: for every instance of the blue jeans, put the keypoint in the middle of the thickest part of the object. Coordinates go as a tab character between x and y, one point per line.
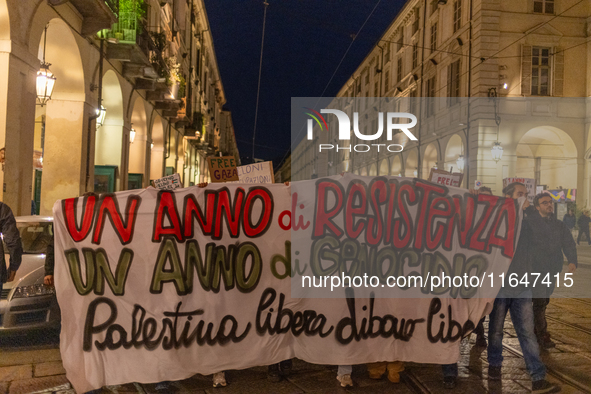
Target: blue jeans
450	370
345	370
522	316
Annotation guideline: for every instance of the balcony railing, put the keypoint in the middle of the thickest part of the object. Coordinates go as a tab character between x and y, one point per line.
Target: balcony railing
125	30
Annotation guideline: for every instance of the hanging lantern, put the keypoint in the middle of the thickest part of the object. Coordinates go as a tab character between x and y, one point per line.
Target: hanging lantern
152	145
460	162
45	83
101	116
131	135
497	151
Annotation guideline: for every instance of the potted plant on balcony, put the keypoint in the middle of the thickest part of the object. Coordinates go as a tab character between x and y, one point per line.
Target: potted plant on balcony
173	78
131	12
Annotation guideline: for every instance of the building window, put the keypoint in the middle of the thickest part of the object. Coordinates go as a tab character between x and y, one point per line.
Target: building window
453	82
387	53
430	94
367	78
358	87
544	6
375	90
413	102
457	15
434	4
540	71
399	70
400	43
433	37
387	81
415	56
415	23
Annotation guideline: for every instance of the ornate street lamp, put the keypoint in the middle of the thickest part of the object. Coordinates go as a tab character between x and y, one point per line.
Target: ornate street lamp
101	116
497	151
460	162
131	135
45	78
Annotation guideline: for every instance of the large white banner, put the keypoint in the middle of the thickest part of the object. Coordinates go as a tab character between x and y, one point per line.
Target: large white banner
160	285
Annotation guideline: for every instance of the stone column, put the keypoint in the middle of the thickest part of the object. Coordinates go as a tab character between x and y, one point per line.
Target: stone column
18	70
68	168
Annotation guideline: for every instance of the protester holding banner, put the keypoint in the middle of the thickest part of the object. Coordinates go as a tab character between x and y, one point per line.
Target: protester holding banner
517	300
12	240
377	370
551	238
344	375
479	330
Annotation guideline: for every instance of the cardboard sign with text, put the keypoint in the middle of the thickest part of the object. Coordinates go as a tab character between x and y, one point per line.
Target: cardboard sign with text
256	173
169	182
529	183
222	169
446	178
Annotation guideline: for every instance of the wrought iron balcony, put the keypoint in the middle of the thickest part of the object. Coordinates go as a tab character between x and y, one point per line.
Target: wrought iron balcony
131	42
97	14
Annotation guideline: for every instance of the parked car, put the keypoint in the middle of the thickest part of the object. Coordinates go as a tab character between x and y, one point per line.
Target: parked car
26	303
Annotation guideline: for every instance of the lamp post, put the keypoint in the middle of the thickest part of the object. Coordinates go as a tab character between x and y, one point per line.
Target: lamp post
45	78
101	114
460	162
496	150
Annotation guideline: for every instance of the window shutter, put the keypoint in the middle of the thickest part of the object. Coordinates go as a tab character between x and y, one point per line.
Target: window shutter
526	70
449	84
558	83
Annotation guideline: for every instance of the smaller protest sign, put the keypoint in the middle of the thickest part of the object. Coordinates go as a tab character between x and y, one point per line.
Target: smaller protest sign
222	169
261	172
529	183
446	178
169	182
562	195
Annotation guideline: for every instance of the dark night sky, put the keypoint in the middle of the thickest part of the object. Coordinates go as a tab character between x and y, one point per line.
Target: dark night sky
304	42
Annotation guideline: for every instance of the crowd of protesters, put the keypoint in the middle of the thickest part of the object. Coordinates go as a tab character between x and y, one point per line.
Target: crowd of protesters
543	243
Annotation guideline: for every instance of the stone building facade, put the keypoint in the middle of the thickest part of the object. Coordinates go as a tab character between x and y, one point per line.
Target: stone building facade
157	80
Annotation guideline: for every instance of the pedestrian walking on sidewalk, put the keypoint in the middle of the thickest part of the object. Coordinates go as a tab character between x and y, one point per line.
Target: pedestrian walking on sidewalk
552	241
569	219
518	301
584	220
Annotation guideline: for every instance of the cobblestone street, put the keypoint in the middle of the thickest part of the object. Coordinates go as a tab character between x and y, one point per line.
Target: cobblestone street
33	364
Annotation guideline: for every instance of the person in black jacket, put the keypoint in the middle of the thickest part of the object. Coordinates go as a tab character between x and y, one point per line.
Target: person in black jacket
584	220
517	301
551	238
12	239
569	219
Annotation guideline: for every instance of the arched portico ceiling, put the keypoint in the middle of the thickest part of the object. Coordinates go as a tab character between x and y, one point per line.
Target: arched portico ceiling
112	98
395	166
453	150
411	164
62	52
549	155
139	117
547	141
430	158
4	21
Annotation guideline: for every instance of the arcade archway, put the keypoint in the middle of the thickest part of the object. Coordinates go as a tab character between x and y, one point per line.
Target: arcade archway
548	155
